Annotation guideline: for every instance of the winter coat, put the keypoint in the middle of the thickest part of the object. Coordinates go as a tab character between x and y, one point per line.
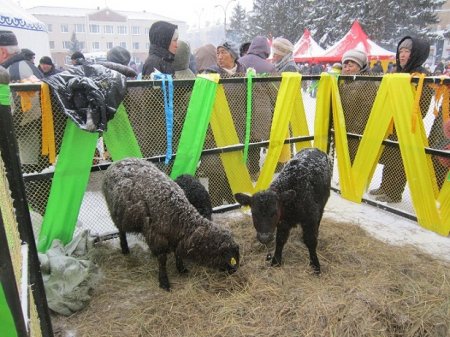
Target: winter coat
19	68
287	64
257	55
159	56
205	57
181	62
357	98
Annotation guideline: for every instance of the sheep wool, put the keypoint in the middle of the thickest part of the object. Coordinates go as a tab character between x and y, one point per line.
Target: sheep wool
297	196
196	193
143	199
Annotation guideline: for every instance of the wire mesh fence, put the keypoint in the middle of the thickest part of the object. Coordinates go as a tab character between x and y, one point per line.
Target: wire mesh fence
144	104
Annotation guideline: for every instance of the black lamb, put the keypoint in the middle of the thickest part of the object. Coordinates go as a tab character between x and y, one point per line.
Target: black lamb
297	196
143	199
196	193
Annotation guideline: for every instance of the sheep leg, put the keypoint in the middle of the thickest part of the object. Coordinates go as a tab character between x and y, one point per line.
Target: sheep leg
310	240
124	242
180	265
162	276
281	239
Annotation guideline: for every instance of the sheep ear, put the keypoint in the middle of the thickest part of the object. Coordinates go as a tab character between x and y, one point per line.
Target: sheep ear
287	195
243	199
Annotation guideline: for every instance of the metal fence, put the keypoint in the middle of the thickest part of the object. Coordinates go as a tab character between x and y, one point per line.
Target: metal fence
144	104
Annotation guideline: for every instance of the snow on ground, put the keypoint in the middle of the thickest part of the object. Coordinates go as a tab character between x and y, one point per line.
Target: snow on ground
381	224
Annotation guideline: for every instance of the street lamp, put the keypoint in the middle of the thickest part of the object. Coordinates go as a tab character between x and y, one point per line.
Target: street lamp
225	15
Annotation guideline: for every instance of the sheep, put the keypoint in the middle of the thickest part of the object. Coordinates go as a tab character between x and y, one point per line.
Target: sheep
196	193
143	199
297	195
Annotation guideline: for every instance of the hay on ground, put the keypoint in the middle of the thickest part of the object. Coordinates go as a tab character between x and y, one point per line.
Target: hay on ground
367	288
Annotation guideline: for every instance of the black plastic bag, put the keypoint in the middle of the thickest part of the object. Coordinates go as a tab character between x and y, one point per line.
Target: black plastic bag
89	94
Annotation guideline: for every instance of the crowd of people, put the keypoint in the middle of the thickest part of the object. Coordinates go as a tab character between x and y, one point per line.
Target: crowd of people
169	54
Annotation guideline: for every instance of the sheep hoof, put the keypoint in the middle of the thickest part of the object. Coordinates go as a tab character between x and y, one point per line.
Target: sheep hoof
275	262
183	271
165	286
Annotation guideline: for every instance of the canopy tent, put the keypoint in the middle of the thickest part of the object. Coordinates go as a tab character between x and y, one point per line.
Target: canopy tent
356	38
30	32
306	48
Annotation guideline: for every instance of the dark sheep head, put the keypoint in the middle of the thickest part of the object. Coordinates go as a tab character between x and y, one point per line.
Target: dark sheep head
267	209
214	247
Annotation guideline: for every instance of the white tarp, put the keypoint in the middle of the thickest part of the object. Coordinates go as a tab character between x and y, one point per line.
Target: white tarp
30	32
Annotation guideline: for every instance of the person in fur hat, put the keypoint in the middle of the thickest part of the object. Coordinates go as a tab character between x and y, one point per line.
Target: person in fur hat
283	57
163	38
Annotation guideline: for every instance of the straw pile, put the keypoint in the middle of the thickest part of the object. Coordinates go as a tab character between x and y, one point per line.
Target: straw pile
367	288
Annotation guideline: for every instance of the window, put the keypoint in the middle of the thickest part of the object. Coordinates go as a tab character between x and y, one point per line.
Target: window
50	27
135	30
64	28
79	28
66	44
81	44
94	29
108	29
147	45
147	30
123	45
51	44
109	45
95	45
122	30
135	45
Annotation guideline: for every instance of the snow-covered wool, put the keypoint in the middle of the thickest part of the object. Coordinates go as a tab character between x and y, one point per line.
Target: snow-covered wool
297	196
196	193
143	199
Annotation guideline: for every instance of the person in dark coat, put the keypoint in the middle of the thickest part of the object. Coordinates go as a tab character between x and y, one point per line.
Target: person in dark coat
357	97
163	46
411	54
47	67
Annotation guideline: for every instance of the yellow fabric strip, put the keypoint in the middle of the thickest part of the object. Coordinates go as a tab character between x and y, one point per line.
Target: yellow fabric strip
289	92
413	154
322	119
444	207
225	134
25	99
299	124
48	131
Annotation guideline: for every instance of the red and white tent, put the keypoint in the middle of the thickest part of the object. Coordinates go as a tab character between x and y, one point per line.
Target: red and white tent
356	38
306	48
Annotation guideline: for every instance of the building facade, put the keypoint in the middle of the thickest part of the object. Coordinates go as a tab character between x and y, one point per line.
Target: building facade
98	30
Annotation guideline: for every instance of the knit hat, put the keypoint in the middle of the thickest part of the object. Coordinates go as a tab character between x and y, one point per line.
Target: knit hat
357	56
406	43
231	48
282	46
8	38
161	33
27	54
46	60
118	55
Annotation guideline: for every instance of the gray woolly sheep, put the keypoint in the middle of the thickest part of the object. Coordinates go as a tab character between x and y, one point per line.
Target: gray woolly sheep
297	196
143	199
196	193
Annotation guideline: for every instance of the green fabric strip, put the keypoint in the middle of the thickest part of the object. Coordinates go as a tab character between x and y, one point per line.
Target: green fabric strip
250	75
120	138
4	94
7	325
195	126
68	186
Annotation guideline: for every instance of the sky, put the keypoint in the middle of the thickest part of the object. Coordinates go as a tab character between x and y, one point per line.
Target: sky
191	11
